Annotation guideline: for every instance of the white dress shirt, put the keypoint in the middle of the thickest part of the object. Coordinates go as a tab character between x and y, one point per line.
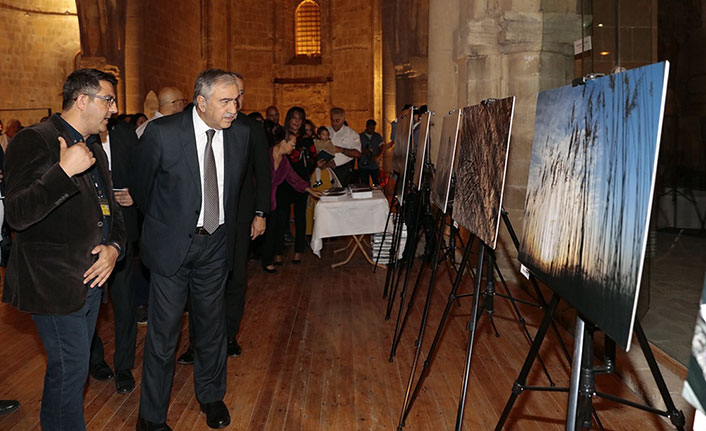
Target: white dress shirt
344	138
106	148
200	129
140	130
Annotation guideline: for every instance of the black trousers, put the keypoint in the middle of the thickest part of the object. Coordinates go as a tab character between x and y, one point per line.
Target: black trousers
366	175
201	279
237	280
286	196
122	296
273	242
344	172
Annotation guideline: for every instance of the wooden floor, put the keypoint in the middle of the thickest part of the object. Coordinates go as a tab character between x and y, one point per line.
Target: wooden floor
315	357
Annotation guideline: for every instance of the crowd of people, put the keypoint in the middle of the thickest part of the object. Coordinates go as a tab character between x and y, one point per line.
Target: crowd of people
165	212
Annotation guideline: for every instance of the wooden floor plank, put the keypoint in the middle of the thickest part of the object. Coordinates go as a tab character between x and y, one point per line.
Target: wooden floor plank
315	357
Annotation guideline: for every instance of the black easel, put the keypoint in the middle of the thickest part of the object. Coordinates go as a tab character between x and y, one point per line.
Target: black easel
440	222
411	197
423	210
583	386
402	201
488	296
446	254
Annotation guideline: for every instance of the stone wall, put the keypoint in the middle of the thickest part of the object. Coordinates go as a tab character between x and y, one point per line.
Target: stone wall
501	49
168	43
173	48
39	44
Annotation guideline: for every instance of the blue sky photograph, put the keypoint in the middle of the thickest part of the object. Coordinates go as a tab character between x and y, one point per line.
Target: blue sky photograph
589	191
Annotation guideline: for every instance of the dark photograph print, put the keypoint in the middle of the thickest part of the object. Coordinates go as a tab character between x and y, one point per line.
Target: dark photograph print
422	149
400	152
589	192
483	143
441	181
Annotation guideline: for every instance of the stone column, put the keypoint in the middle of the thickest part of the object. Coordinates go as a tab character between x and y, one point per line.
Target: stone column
516	48
134	93
442	70
388	76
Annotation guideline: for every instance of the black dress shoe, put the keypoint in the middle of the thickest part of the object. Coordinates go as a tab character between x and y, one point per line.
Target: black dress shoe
8	406
124	382
234	349
217	415
186	358
145	425
101	372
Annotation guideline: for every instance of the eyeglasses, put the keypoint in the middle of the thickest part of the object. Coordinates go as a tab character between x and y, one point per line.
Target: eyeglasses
182	101
110	99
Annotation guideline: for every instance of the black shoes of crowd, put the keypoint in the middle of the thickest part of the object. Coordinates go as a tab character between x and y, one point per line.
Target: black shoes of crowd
187	358
217	415
101	372
145	425
124	381
8	406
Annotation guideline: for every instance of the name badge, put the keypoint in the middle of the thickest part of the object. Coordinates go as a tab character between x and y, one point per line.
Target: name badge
105	208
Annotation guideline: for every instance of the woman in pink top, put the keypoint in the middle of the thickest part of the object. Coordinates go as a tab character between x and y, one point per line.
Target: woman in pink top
282	171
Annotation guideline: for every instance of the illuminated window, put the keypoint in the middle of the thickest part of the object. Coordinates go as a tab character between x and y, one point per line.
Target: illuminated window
307	29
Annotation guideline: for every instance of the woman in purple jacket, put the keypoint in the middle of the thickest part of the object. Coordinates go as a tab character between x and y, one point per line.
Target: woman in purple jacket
281	144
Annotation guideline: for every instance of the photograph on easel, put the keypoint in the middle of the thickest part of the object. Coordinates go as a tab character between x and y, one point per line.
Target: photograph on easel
422	148
441	181
483	144
400	151
403	133
694	390
589	192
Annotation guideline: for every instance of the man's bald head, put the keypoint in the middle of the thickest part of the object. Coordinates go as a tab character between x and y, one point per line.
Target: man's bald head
171	100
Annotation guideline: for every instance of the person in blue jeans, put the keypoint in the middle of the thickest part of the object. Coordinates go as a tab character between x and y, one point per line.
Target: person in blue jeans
69	235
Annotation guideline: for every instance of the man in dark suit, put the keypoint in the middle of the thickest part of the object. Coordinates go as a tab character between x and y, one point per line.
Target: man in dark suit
69	234
188	172
253	206
120	145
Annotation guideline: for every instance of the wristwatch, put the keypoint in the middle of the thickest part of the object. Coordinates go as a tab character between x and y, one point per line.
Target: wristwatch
260	214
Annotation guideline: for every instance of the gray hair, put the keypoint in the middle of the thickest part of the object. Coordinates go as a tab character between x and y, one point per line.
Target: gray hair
210	77
338	111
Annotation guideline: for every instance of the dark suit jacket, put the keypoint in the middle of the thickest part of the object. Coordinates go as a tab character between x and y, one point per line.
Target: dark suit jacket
256	192
58	222
123	145
167	187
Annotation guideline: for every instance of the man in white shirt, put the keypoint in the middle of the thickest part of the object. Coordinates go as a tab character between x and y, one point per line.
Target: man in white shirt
188	172
347	141
171	101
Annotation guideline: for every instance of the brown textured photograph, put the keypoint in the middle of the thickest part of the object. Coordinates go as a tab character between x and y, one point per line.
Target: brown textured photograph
441	181
484	140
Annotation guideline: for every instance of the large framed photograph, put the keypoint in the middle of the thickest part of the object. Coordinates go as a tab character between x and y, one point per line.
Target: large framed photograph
422	149
483	144
589	193
443	168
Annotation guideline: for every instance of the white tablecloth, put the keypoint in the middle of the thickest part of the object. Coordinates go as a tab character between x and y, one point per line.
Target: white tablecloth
348	216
